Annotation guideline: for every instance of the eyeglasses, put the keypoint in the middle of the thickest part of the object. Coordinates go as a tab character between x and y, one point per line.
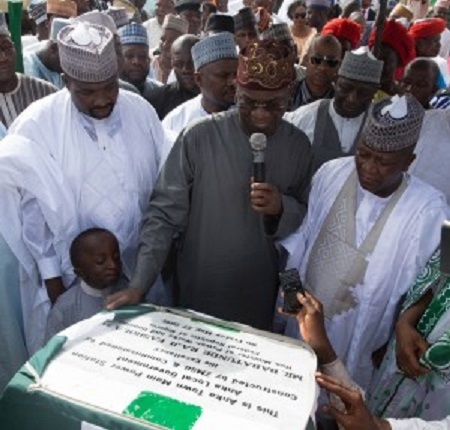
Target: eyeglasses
246	103
317	60
301	15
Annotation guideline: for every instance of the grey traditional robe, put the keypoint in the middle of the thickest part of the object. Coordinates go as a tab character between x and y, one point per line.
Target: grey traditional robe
227	262
326	143
78	303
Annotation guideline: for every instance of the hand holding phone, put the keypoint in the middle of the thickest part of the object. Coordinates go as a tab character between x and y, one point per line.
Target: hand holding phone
291	285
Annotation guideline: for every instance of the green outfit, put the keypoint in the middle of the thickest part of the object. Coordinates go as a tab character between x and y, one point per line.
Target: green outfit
428	397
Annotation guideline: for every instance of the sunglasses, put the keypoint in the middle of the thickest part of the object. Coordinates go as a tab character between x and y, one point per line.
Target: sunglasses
300	15
318	60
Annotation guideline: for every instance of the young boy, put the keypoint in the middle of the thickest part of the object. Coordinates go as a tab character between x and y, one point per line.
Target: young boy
95	256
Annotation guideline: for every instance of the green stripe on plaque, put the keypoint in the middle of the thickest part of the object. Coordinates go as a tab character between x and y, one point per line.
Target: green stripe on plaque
164	411
213	324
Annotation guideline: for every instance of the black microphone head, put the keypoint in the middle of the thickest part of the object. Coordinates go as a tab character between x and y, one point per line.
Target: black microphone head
258	141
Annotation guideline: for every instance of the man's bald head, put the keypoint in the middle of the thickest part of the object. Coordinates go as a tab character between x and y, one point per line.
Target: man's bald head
186	41
327	41
423	63
182	63
420	79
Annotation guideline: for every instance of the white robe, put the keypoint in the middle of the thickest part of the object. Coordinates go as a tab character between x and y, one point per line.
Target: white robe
443	67
433	151
184	114
418	424
28	40
445	44
25	169
305	118
33	66
108	166
337	370
154	32
410	236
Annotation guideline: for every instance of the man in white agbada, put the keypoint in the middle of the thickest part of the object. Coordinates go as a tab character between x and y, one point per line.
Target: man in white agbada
107	145
334	125
25	172
369	231
215	62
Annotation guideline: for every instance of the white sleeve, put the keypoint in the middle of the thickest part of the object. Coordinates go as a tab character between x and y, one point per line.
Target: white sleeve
418	424
169	139
168	121
296	244
38	238
304	118
337	370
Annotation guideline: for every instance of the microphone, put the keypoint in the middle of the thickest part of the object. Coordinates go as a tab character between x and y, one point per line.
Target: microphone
258	142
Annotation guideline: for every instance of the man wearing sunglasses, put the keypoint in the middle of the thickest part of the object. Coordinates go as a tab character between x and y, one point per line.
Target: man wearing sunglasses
334	126
227	263
322	65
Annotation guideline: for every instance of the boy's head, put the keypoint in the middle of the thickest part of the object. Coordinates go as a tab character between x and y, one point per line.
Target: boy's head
95	256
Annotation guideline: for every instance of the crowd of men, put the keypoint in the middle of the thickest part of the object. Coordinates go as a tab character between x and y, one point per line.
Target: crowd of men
127	175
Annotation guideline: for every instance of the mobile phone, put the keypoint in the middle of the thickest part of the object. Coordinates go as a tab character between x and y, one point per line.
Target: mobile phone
291	285
445	249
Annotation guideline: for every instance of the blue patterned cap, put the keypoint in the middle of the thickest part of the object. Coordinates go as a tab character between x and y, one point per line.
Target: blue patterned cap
38	11
220	46
133	34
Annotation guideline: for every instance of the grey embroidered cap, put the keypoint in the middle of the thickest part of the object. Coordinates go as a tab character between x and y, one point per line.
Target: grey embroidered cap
172	22
87	52
220	46
119	15
394	124
361	65
99	18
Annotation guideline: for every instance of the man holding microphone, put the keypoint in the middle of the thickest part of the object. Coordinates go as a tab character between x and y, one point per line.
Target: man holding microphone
227	263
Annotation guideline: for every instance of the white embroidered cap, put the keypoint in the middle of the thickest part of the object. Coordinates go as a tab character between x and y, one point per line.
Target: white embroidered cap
99	18
394	124
87	52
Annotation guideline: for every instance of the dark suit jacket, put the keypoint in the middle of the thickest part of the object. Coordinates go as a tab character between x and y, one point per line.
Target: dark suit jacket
371	15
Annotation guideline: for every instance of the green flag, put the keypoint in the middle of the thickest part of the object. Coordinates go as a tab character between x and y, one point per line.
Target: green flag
15	28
